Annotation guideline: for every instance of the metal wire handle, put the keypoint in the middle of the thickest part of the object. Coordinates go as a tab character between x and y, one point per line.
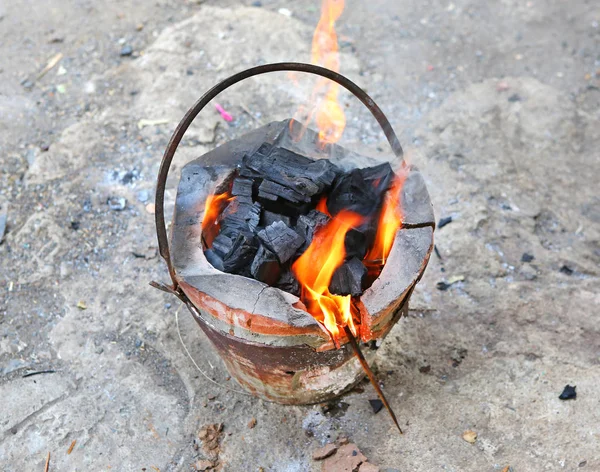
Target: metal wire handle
186	121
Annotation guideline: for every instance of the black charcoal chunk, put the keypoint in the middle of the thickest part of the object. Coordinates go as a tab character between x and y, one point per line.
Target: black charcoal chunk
280	239
240	216
359	240
242	189
308	224
301	176
288	283
568	393
268	217
241	254
349	278
444	221
265	266
222	244
360	190
273	191
376	405
214	259
527	257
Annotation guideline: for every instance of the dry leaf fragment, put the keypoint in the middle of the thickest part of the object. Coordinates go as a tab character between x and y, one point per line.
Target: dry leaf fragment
252	423
81	305
51	63
70	450
470	436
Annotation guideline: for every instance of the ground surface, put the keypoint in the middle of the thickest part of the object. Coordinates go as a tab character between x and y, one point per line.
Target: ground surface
496	102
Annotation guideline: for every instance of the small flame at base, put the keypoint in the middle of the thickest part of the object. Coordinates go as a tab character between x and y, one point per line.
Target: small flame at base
212	209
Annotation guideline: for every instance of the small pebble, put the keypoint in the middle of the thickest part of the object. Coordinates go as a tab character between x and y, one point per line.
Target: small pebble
470	436
117	203
151	208
127	50
527	257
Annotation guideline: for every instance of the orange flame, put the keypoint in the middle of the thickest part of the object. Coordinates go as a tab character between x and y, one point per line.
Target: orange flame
314	270
329	115
212	209
389	222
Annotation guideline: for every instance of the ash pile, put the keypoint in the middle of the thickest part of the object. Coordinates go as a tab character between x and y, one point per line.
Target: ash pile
279	202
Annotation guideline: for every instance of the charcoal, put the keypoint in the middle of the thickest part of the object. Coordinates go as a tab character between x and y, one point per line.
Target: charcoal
214	259
360	190
280	239
348	279
358	241
268	217
222	244
265	266
273	191
308	225
242	189
379	177
288	282
301	176
241	216
241	253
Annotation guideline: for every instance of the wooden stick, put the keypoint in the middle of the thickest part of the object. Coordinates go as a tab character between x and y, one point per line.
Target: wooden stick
370	374
47	462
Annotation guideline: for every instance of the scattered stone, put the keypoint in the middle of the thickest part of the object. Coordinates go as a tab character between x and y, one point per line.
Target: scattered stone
377	405
143	196
470	436
443	286
117	203
566	270
151	208
139	27
257	4
324	452
346	459
582	464
252	423
285	12
527	257
127	50
425	369
204	465
514	98
568	393
502	87
75	225
444	221
341	440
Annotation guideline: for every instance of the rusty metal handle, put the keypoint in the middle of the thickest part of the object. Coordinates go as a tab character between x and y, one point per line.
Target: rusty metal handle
182	127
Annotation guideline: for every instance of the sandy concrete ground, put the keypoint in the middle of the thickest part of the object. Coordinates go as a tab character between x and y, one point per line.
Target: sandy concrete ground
496	102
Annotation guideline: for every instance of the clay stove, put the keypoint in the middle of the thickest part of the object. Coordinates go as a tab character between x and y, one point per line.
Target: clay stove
269	343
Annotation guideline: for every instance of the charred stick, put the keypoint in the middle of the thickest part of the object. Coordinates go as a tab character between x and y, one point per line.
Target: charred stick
369	372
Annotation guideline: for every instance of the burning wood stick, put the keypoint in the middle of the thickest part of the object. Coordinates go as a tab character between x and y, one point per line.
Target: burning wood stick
370	374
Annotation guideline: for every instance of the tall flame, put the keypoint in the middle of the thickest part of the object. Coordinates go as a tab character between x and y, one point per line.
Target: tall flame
314	270
330	117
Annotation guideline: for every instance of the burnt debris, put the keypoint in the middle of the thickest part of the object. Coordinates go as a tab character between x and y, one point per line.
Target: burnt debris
280	201
568	393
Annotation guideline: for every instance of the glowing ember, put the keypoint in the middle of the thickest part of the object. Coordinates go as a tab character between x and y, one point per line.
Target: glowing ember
212	209
389	222
314	270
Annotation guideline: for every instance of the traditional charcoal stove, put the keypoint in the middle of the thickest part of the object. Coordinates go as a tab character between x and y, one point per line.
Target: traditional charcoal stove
245	217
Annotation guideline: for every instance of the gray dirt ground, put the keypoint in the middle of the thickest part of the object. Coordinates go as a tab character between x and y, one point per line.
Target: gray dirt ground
496	102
